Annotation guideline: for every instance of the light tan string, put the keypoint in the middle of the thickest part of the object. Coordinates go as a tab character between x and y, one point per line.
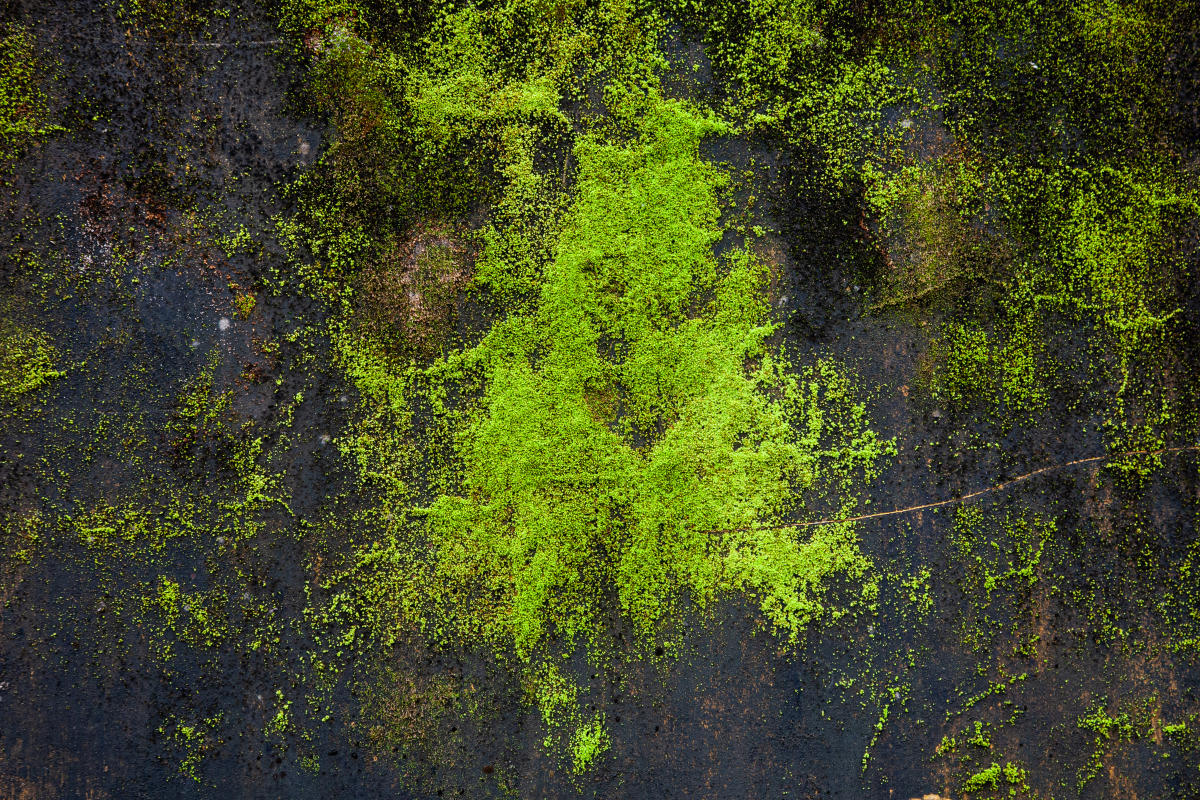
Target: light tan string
999	487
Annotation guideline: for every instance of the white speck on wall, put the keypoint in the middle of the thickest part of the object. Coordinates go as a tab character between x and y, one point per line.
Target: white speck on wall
224	324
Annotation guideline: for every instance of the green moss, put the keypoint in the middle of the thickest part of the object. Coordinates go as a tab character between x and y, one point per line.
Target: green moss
627	267
245	303
457	89
1105	257
983	192
203	421
1179	603
609	449
792	67
631	422
972	368
1011	781
589	743
192	741
520	239
300	17
1108	731
893	694
1112	249
1176	730
980	737
928	232
984	779
437	118
24	103
1002	559
27	363
196	619
1095	254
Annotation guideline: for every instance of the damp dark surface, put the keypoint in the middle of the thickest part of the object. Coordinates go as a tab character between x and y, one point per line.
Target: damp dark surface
169	134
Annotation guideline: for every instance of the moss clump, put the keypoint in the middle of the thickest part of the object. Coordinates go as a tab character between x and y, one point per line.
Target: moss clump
1001	557
630	426
1100	253
27	363
549	477
245	303
1109	731
24	104
972	368
1010	780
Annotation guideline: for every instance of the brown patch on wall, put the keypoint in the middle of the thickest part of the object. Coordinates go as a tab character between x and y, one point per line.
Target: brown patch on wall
407	300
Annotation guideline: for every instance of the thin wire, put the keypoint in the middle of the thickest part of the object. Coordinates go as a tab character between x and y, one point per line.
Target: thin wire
999	487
